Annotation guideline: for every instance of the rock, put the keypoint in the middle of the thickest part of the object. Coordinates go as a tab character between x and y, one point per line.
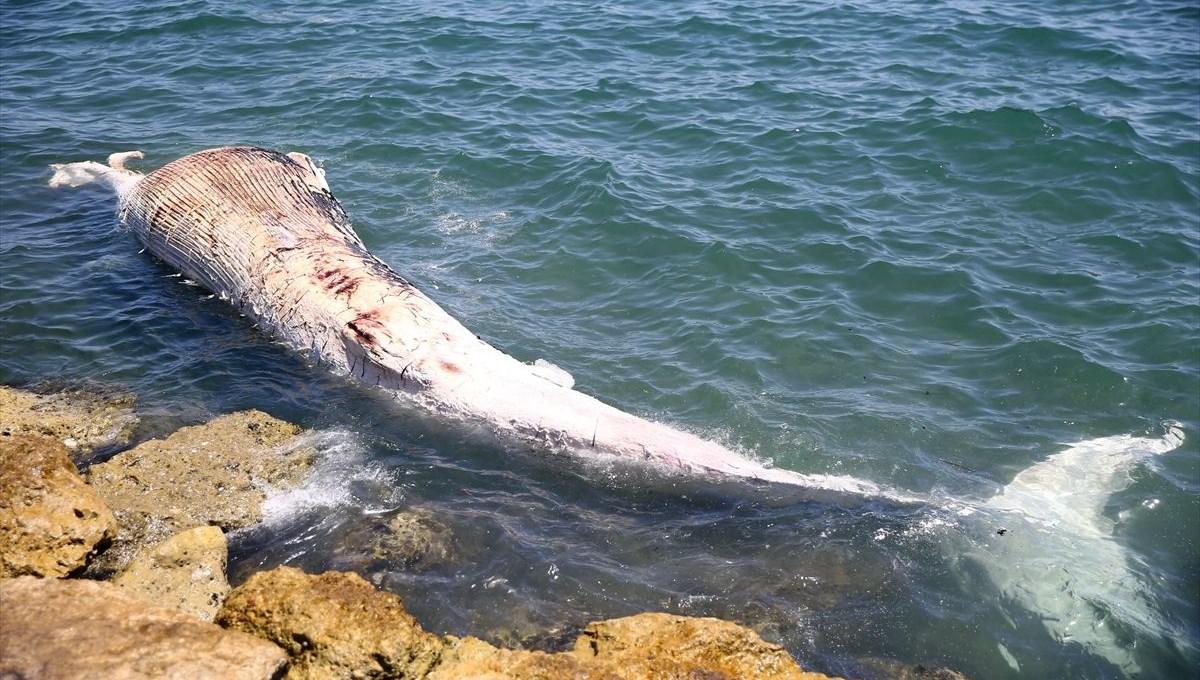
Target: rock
335	625
51	522
894	669
80	629
410	539
413	538
667	646
185	572
659	646
474	659
217	473
84	419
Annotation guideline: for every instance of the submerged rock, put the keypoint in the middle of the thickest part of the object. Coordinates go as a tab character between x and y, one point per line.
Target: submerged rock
335	625
217	473
51	522
84	419
413	538
80	629
878	668
409	539
184	572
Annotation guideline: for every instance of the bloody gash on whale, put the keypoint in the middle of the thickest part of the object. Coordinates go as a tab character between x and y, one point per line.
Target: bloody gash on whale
262	230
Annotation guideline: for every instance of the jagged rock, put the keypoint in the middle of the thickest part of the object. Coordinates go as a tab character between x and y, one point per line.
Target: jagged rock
80	629
84	419
185	572
216	473
656	645
335	625
660	646
51	522
474	659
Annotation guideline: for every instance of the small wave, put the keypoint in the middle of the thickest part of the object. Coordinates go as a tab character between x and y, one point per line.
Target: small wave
344	474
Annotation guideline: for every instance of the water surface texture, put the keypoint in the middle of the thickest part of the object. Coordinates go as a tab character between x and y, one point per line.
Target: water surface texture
926	244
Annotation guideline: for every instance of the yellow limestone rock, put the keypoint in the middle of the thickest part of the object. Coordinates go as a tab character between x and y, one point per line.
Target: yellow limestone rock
78	629
185	572
82	419
335	625
217	473
51	522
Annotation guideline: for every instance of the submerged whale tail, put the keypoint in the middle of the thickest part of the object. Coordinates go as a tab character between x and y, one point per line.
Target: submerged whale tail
85	172
1061	561
1071	487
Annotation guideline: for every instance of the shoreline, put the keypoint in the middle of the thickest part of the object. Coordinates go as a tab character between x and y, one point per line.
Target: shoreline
141	536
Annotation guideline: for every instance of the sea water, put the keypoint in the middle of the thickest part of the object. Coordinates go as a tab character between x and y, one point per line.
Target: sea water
930	245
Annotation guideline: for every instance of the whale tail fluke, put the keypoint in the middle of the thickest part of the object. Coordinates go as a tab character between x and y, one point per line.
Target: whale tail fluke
114	174
1062	561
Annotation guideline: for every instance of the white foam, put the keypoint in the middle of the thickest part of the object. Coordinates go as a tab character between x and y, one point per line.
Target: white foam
342	463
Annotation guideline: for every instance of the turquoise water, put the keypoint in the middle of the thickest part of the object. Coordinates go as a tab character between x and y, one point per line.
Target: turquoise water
924	244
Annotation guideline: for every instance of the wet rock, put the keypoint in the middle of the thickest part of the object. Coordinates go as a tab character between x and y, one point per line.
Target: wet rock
474	659
932	672
335	625
80	629
410	539
184	572
892	669
217	473
83	418
668	646
413	538
51	522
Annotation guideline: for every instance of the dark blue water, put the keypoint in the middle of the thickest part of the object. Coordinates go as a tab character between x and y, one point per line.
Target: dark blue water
925	244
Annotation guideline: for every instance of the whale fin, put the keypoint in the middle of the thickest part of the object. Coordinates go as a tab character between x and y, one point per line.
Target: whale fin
317	180
548	371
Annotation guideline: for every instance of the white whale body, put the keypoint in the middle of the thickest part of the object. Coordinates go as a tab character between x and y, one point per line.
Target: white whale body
262	230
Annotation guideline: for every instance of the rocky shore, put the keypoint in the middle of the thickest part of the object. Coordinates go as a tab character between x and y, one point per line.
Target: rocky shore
121	572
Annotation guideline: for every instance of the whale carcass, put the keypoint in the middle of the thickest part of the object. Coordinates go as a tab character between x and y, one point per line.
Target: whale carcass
262	230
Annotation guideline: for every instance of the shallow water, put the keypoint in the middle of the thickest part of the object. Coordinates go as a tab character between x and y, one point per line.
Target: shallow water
927	245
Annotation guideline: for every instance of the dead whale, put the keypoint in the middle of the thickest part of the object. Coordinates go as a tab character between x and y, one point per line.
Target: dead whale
262	229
